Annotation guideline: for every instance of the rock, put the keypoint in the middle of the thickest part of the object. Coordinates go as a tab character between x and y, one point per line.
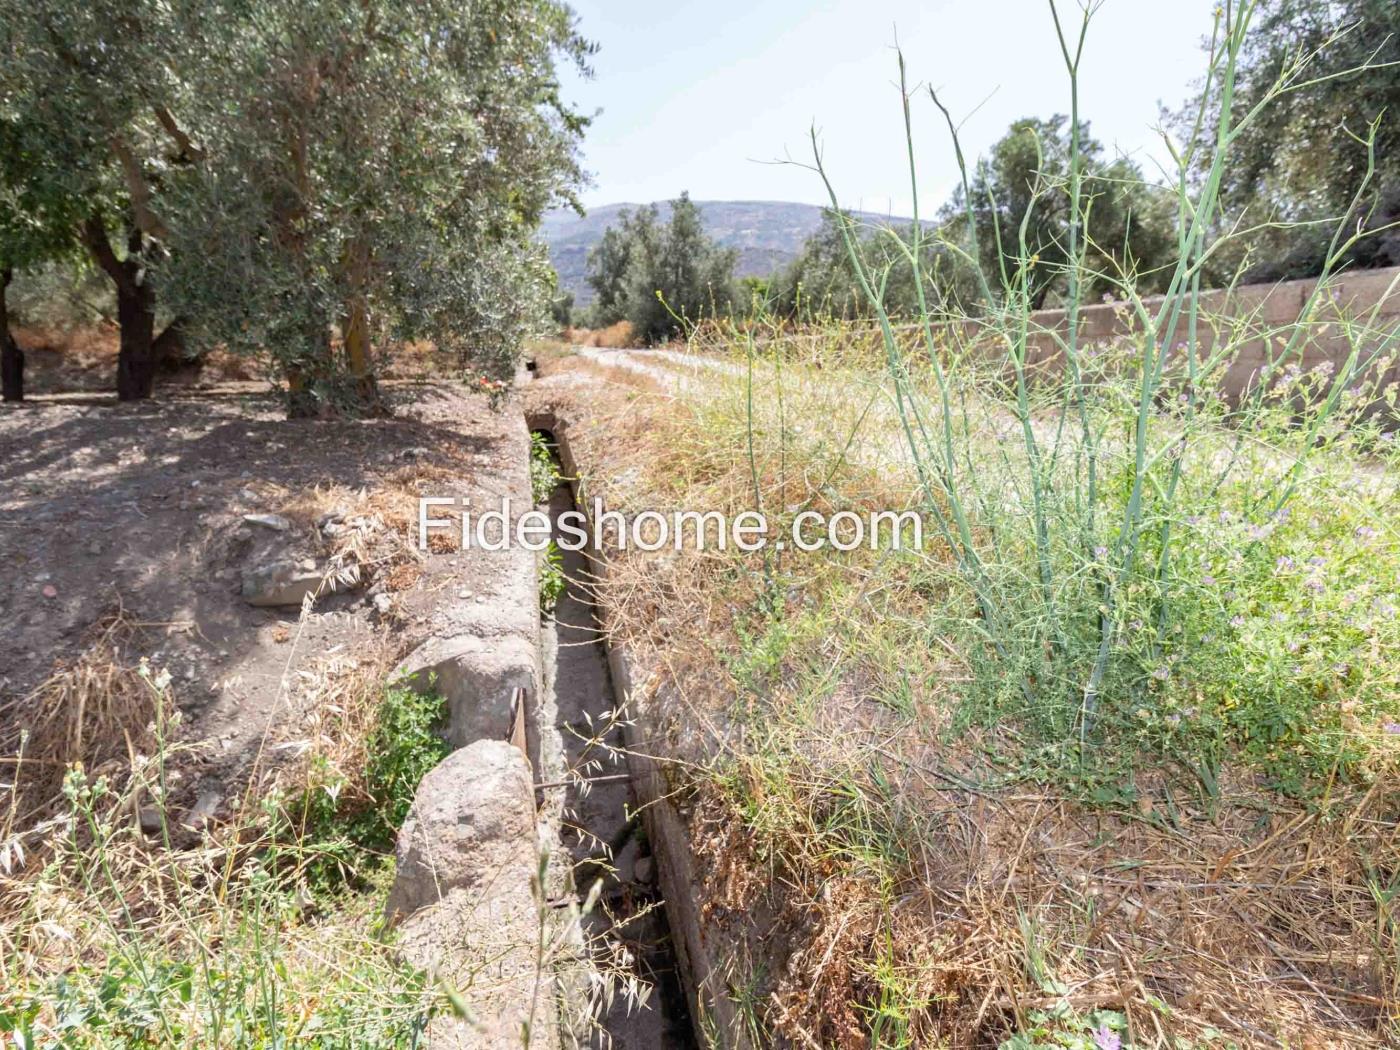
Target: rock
466	857
203	810
478	678
149	817
643	869
268	521
281	582
472	825
383	604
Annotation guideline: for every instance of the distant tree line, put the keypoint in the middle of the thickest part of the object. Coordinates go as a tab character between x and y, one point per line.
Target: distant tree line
308	182
1295	175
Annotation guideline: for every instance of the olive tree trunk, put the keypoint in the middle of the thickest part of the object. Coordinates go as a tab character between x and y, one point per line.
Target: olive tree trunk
136	308
11	356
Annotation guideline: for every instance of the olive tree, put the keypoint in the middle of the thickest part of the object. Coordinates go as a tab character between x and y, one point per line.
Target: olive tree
661	276
371	172
86	115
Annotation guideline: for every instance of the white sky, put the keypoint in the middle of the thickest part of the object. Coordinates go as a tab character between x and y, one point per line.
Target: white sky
694	96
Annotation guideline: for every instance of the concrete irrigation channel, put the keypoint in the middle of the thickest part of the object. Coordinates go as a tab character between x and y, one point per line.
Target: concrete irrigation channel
542	855
591	804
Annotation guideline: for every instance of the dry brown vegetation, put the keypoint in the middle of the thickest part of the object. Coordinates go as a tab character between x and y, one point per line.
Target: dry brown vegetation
614	335
866	872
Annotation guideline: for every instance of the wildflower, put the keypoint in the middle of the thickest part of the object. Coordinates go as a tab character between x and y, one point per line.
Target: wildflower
1284	564
1106	1038
1279	617
1237	620
1365	532
1101	552
1312	583
1208	580
1318	560
1393	728
1258	532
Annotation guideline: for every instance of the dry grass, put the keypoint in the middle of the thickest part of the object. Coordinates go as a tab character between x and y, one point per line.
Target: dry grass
614	335
857	876
95	710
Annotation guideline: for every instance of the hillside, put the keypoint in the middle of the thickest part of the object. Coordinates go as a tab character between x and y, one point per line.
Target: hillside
768	235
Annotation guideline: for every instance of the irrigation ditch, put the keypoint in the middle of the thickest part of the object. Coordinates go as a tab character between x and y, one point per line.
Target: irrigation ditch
546	849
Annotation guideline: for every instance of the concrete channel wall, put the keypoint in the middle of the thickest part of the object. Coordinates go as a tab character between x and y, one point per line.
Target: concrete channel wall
714	1016
465	899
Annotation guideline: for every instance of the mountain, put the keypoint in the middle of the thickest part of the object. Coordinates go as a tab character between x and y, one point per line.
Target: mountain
768	234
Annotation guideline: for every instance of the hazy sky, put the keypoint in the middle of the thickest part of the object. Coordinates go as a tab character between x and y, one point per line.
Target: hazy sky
697	95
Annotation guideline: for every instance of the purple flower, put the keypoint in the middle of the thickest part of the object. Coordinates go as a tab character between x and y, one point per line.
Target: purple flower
1100	552
1237	620
1209	581
1365	532
1106	1038
1161	674
1284	564
1393	728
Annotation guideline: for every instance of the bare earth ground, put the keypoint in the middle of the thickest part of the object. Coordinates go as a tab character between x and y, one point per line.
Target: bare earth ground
139	510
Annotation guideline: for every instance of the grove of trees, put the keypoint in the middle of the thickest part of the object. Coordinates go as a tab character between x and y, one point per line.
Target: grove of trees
659	276
311	183
1297	172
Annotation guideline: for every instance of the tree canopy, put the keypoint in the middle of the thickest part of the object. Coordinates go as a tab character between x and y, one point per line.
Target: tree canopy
660	276
308	182
1303	158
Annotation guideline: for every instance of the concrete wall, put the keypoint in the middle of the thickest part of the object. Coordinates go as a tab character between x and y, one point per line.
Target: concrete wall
1254	315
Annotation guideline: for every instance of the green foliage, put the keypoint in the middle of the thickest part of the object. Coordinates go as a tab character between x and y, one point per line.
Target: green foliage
544	473
661	278
1021	189
338	833
1077	534
284	172
553	583
1301	161
389	155
205	948
1020	192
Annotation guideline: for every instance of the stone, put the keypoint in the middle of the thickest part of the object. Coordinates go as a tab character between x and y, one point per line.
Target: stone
477	677
471	826
462	896
383	604
643	870
281	582
149	818
275	522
